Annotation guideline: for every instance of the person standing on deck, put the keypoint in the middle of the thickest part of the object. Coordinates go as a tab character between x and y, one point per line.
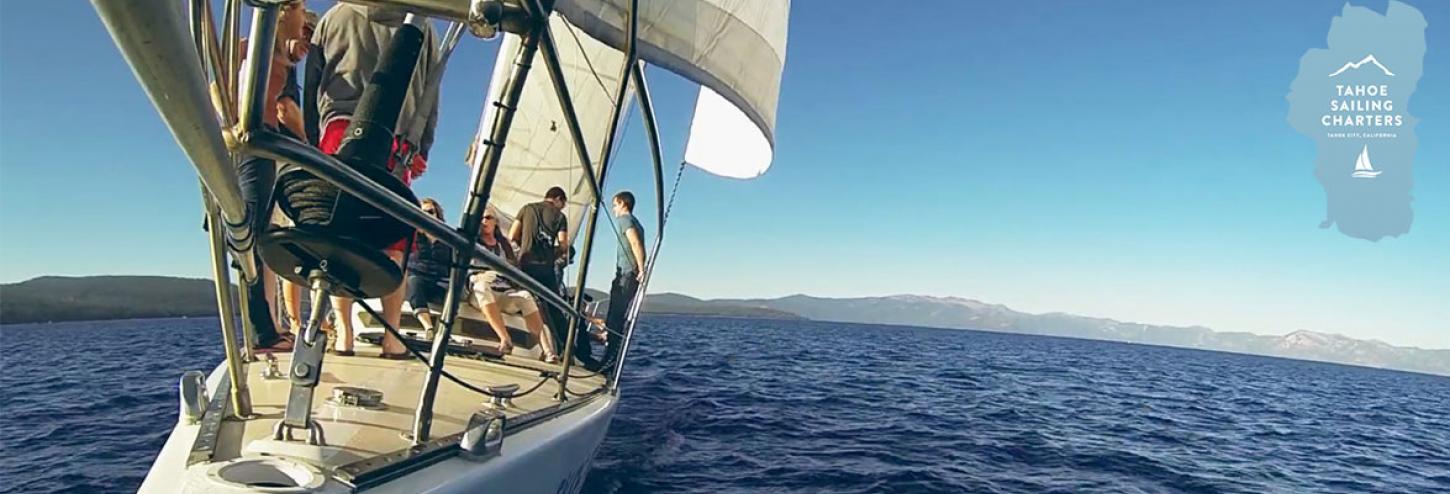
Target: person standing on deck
628	274
346	49
541	231
258	175
289	113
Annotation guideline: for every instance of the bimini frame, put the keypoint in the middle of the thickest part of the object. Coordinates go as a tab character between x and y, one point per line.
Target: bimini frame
217	127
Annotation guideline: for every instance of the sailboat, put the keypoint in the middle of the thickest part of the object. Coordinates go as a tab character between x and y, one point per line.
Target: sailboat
456	417
1362	167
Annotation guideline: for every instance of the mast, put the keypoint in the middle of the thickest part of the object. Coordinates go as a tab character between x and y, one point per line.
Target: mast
481	184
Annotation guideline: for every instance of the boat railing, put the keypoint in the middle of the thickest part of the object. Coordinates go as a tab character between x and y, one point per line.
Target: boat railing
189	75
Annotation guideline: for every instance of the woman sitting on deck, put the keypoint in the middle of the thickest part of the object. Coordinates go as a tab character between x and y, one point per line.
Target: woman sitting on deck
428	270
494	294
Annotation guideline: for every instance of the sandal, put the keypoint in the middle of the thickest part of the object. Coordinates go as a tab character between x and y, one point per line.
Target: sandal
343	353
505	349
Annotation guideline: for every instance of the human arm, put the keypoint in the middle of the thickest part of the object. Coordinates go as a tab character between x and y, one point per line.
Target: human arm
425	141
563	241
311	81
636	246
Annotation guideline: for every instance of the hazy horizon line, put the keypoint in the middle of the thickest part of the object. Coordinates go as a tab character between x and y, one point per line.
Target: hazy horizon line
898	294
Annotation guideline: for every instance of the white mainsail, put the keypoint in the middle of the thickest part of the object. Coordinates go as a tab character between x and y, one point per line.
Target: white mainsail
735	49
540	152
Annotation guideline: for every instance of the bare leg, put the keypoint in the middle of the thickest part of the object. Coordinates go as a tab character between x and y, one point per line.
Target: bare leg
393	312
536	326
269	288
495	321
425	317
292	300
342	307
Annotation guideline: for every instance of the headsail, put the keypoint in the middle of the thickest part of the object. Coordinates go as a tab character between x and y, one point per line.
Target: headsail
735	49
540	152
723	141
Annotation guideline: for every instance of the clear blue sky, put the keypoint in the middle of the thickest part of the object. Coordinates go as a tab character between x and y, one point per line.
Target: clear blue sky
1128	160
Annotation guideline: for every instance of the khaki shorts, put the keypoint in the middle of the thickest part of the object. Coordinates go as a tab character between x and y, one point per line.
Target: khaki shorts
519	302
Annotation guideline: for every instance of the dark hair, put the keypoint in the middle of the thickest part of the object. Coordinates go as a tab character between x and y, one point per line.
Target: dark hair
627	198
555	193
437	208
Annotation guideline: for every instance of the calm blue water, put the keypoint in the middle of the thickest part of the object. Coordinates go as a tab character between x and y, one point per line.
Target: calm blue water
719	405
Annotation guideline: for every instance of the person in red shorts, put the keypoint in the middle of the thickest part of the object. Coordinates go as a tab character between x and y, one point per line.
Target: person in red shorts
346	48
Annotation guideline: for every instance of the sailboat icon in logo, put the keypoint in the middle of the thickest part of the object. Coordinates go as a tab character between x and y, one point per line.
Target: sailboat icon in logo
1362	167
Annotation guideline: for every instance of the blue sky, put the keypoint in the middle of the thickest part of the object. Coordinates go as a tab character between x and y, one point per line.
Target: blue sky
1128	160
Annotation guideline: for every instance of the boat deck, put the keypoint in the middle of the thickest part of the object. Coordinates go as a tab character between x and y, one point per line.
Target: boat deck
353	434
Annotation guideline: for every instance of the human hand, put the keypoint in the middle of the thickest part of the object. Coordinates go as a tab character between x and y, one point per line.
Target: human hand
290	115
296	50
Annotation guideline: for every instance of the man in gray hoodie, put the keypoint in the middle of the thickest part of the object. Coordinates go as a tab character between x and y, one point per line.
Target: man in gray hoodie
346	48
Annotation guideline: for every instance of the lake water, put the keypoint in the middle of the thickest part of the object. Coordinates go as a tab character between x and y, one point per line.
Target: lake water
737	405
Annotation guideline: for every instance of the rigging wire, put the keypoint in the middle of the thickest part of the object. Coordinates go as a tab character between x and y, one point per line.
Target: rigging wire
674	192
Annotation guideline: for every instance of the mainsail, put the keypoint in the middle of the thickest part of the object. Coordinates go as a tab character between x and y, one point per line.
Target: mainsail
735	49
540	152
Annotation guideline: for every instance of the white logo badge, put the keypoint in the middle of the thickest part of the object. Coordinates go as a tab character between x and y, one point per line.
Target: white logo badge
1362	167
1362	61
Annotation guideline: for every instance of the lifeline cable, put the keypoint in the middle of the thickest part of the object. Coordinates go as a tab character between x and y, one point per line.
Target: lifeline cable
443	372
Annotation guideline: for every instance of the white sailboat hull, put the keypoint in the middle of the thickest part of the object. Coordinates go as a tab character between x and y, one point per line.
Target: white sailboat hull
551	458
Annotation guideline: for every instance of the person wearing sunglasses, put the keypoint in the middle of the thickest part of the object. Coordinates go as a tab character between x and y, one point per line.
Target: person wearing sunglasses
428	271
493	295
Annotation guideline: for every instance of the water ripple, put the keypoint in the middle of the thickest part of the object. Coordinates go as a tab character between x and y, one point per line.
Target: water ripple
726	405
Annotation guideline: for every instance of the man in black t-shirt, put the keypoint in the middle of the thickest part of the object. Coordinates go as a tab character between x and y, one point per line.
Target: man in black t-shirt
541	231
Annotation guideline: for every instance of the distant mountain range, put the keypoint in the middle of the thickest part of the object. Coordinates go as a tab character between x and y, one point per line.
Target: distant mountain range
121	297
953	312
60	298
88	298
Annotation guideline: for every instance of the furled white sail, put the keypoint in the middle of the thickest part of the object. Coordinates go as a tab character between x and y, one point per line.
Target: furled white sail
734	47
540	153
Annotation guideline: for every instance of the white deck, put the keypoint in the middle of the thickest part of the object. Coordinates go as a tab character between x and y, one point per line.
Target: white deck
353	434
